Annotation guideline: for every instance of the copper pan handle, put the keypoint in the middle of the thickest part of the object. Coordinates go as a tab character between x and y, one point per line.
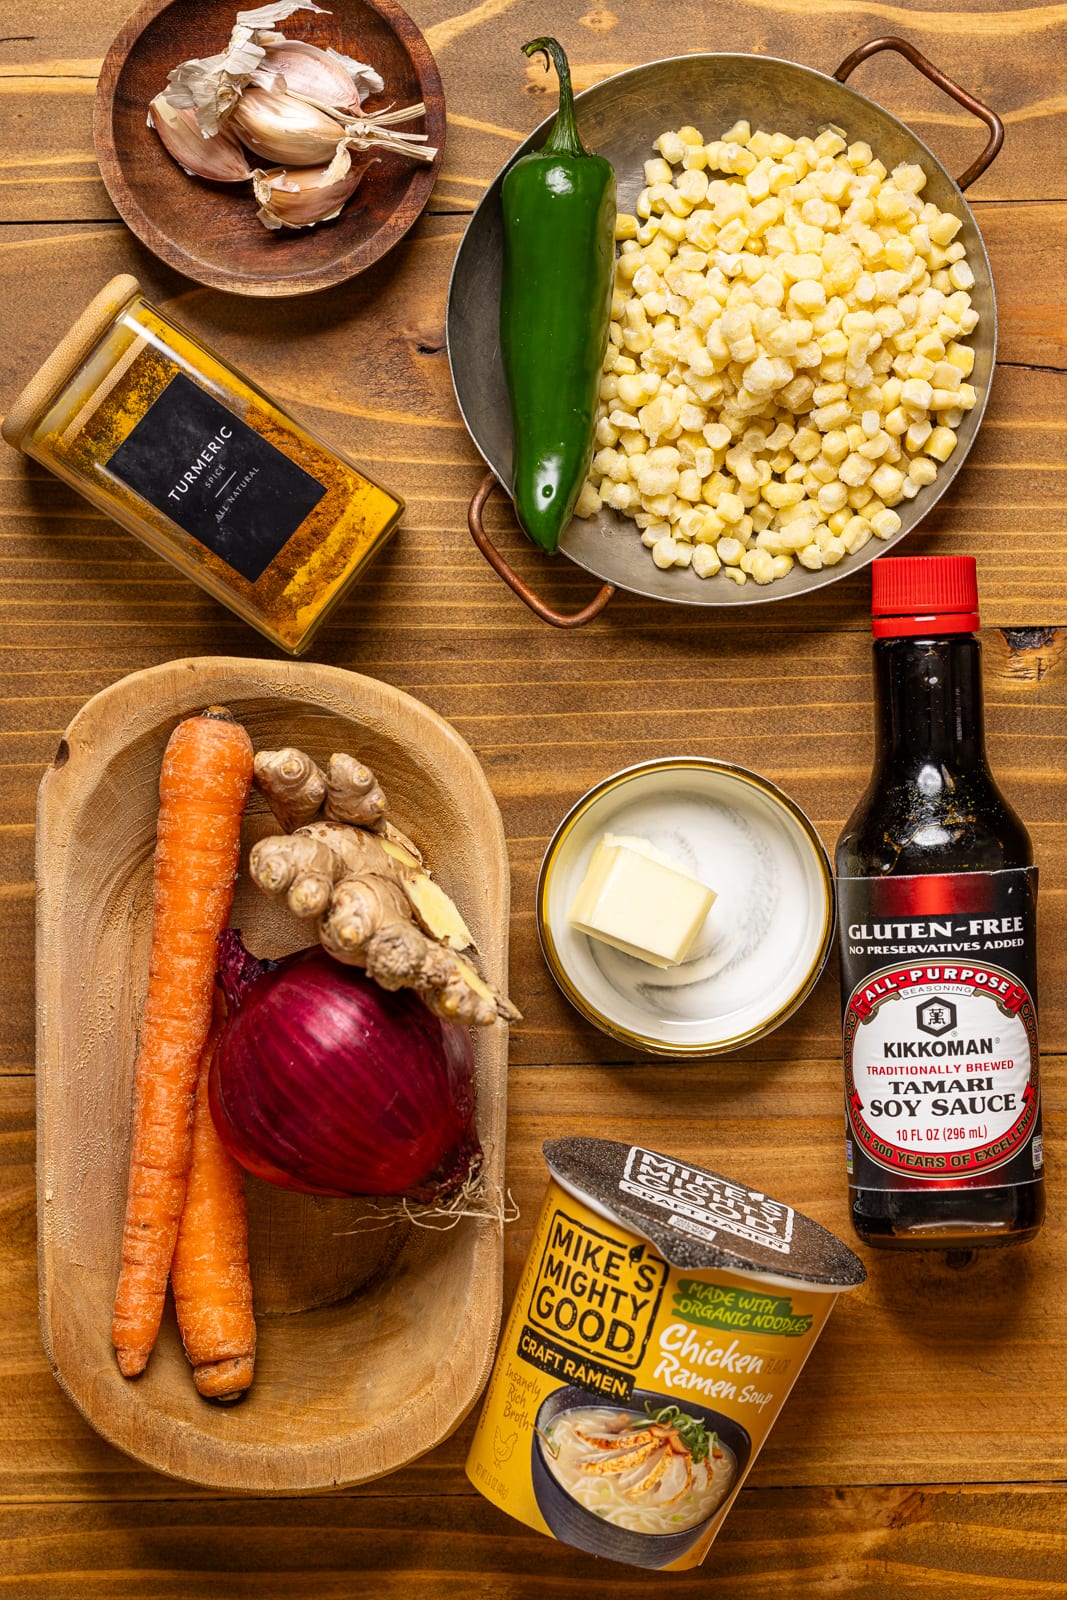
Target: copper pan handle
935	75
558	619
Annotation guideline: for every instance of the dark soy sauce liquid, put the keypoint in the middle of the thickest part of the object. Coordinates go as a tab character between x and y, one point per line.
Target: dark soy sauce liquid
932	807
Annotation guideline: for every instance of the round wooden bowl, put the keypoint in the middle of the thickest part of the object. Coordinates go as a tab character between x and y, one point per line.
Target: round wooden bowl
209	231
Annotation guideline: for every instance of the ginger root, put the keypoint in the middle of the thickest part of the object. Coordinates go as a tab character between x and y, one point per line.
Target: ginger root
297	790
294	787
364	883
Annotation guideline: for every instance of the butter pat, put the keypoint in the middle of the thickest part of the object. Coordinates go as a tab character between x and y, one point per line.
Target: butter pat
638	900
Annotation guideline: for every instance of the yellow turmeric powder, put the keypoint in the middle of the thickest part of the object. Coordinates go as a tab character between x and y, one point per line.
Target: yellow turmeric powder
144	426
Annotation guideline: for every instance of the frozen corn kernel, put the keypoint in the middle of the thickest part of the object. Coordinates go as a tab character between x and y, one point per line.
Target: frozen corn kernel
665	552
944	228
717	435
888	483
917	394
588	502
671	147
855	534
884	524
832	497
706	561
855	470
940	444
760	566
782	494
621	496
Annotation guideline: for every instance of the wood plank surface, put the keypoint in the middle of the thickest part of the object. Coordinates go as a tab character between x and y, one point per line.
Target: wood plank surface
924	1450
996	51
986	1544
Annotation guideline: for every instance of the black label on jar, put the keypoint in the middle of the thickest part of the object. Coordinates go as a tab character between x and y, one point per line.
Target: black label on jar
940	1030
216	477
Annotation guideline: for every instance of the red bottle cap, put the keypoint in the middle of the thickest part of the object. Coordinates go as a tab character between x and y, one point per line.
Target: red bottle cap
912	595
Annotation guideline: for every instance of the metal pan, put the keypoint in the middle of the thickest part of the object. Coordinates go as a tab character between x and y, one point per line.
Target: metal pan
620	118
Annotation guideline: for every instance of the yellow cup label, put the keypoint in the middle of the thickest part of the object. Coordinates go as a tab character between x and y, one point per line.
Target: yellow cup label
577	1436
593	1305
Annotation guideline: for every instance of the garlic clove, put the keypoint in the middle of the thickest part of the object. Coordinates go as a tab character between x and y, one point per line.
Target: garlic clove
319	75
300	199
219	156
284	128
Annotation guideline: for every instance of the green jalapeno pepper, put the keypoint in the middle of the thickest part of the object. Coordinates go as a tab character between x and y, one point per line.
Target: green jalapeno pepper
555	307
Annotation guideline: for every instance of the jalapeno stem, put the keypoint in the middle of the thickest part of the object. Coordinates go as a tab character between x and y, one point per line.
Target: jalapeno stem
563	139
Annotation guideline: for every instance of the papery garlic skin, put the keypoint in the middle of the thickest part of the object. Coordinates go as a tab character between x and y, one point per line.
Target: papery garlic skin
210	86
262	17
218	157
371	132
302	198
366	80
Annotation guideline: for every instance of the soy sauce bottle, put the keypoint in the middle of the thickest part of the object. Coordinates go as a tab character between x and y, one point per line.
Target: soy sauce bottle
936	914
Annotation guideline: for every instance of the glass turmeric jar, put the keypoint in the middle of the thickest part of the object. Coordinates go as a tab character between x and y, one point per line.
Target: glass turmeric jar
197	462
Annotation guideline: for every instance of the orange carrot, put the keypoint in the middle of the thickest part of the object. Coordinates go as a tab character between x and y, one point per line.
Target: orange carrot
209	1273
207	773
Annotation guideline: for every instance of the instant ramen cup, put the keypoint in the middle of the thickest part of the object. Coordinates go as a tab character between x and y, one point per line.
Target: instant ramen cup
663	1316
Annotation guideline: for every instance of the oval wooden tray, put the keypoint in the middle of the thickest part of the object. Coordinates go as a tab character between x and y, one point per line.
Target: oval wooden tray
372	1345
209	231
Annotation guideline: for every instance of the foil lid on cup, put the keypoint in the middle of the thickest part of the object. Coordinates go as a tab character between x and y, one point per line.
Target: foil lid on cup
699	1220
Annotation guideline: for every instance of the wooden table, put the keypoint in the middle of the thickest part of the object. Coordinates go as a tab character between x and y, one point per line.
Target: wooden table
924	1451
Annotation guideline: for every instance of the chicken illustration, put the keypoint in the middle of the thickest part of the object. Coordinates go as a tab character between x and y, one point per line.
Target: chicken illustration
503	1445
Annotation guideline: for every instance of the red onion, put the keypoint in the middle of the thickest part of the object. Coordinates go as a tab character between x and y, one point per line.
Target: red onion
326	1083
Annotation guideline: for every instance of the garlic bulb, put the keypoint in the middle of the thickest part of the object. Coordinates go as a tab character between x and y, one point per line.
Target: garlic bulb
299	199
219	157
284	128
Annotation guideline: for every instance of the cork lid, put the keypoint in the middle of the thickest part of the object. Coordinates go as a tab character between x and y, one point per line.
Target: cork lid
67	356
699	1220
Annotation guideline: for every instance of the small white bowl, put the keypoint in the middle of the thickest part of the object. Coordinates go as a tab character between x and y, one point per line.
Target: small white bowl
765	940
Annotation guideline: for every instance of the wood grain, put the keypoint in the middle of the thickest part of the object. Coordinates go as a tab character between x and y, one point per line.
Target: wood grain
548	725
884	1476
987	1544
1000	53
867	1540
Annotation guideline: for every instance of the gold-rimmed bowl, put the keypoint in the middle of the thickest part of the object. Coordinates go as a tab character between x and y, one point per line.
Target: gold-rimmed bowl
764	942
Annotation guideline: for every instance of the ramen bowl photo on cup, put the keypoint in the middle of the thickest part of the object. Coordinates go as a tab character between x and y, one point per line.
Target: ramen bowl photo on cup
612	1481
663	1315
